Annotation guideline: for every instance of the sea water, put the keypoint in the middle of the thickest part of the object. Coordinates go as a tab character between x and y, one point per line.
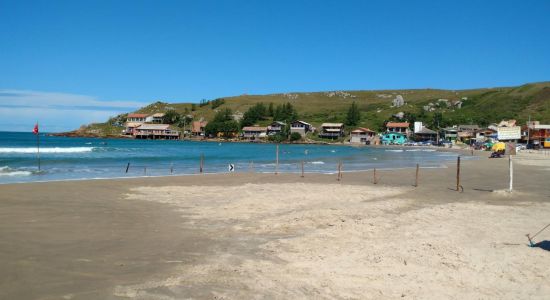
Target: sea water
64	158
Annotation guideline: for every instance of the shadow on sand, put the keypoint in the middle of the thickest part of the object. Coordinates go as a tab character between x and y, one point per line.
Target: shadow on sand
543	245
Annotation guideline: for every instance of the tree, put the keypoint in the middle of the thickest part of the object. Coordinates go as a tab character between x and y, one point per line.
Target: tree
285	113
270	110
222	123
171	117
217	103
437	120
254	114
353	116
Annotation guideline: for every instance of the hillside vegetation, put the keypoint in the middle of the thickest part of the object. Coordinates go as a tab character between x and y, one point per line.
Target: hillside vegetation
477	106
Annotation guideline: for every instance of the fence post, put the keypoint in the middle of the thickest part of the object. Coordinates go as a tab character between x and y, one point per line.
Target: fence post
171	168
458	174
374	177
302	169
511	166
127	167
145	171
201	163
416	177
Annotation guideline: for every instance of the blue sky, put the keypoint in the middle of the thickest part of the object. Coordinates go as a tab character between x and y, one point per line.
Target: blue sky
98	58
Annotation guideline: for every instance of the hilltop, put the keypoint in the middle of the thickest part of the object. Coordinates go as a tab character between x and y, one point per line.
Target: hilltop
447	107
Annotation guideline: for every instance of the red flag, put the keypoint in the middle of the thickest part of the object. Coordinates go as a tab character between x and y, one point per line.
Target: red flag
35	130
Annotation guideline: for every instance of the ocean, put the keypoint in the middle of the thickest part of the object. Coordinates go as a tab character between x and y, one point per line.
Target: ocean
64	158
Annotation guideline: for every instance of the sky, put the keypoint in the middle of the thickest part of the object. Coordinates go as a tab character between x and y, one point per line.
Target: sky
67	63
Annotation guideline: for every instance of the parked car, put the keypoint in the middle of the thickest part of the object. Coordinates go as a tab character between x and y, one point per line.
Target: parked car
520	147
427	143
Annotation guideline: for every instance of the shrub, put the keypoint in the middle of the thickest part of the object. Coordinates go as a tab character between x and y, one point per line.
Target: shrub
295	136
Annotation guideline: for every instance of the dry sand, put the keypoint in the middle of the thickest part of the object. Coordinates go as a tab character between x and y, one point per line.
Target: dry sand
243	236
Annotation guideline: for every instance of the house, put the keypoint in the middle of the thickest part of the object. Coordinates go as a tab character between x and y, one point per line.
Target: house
536	134
466	132
450	133
394	138
484	134
398	127
254	132
139	118
130	128
155	131
362	136
425	134
197	128
275	128
301	127
331	130
157	118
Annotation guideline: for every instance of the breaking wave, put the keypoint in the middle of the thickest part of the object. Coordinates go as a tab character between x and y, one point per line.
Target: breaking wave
47	150
7	171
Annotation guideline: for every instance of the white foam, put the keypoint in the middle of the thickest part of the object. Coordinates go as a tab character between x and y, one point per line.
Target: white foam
7	171
17	173
317	163
47	150
397	150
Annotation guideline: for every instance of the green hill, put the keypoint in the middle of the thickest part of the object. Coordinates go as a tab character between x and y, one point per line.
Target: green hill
475	106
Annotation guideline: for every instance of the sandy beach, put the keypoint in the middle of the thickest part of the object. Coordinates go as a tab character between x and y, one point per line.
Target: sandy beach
249	235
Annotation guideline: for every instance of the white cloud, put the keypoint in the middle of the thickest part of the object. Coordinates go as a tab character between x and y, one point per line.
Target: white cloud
19	110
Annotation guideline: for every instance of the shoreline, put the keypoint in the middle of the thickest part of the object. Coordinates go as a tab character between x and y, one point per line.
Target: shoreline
442	164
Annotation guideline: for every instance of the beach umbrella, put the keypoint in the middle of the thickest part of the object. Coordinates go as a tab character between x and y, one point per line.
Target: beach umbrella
500	146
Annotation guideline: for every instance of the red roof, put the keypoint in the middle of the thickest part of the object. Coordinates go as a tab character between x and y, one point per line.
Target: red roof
398	124
137	115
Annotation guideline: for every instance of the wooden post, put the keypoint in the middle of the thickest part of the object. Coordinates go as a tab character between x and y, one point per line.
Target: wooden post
511	166
145	171
277	160
127	167
458	173
374	177
201	163
302	169
171	168
339	171
416	177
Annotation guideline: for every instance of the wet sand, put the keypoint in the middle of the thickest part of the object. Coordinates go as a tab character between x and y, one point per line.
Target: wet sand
234	236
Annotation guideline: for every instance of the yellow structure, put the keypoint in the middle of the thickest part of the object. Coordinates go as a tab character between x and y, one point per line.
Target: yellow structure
500	146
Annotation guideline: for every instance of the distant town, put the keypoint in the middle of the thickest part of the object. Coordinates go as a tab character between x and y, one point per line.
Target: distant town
154	126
